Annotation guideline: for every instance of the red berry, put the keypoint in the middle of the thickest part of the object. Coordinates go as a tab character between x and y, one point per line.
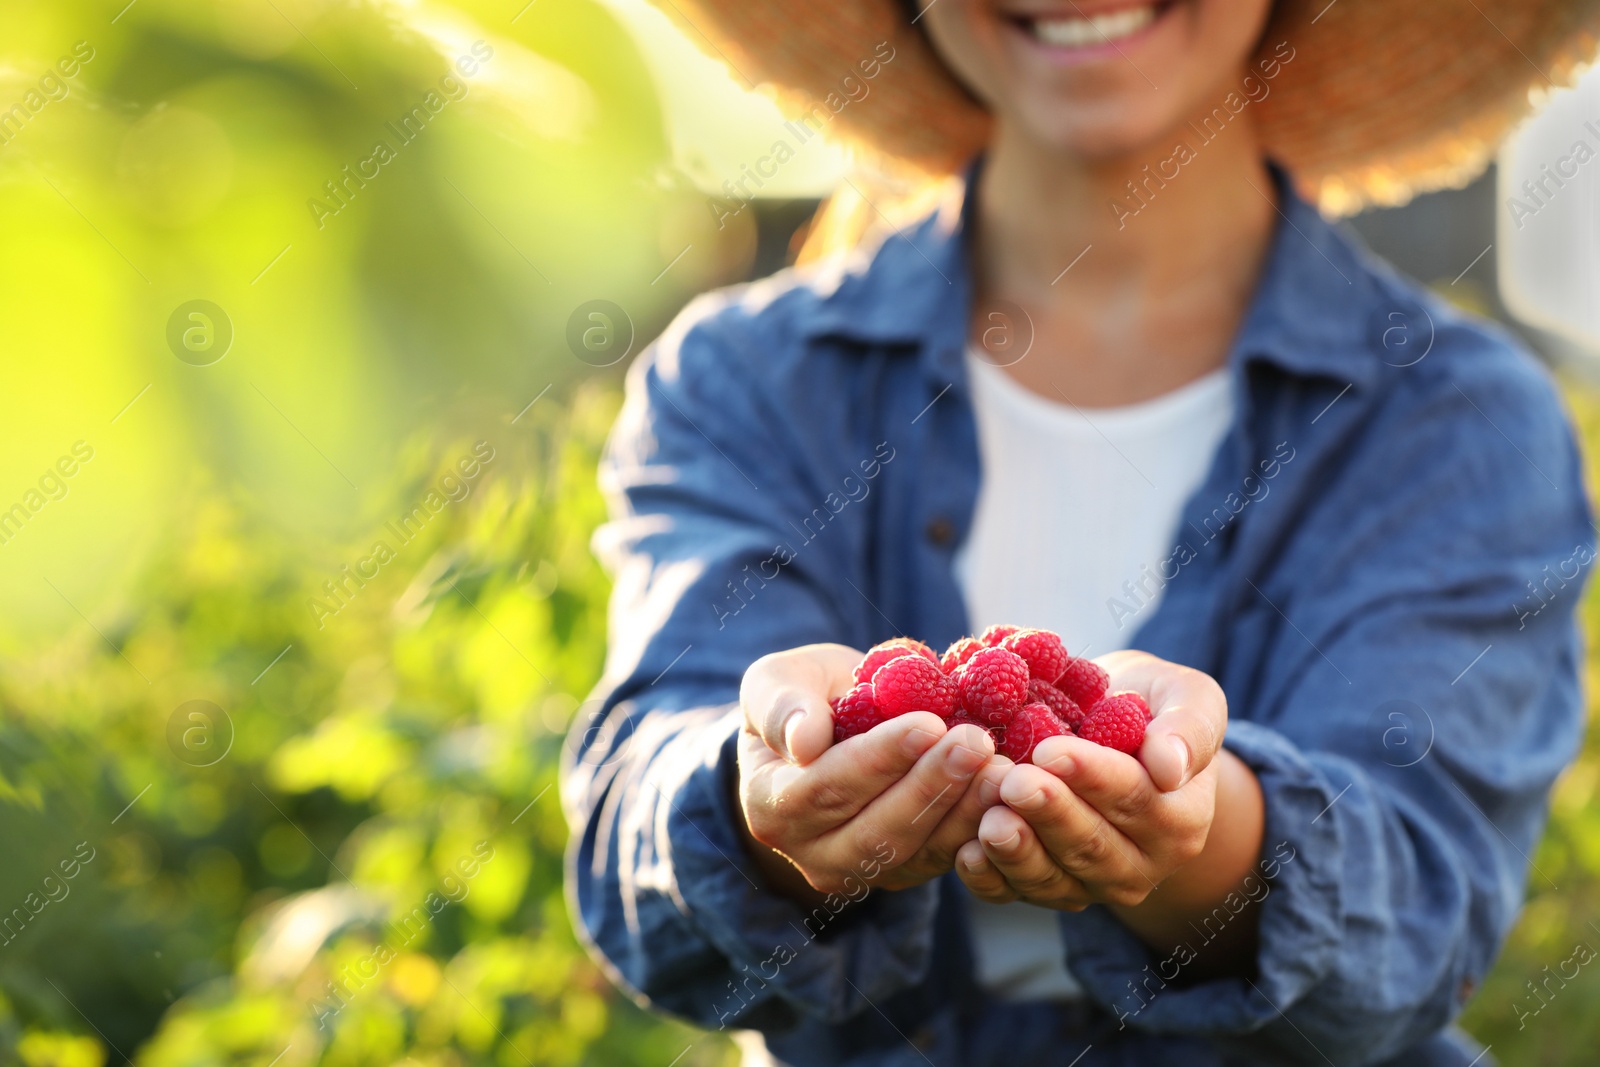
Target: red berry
1018	738
891	649
992	637
1085	681
1117	722
959	653
1066	709
856	712
993	685
962	718
913	683
1046	656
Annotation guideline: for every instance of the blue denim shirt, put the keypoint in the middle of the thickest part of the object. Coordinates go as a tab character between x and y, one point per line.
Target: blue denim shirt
1380	569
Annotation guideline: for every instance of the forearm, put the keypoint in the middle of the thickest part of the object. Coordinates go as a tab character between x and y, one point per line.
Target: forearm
1181	904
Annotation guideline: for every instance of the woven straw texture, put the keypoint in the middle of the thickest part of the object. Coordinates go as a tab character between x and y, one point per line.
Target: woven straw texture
1382	100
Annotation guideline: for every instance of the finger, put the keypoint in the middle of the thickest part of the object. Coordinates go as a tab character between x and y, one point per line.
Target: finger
822	796
1191	715
1016	853
909	811
1074	837
980	876
1179	745
1115	785
1158	826
960	823
785	698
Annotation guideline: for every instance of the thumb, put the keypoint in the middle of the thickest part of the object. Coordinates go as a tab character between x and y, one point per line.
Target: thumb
785	698
809	733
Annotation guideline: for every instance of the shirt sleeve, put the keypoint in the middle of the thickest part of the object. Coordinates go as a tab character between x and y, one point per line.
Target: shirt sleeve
700	481
1419	698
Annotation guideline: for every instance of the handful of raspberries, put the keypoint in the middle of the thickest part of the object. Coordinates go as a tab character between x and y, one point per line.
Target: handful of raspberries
1020	685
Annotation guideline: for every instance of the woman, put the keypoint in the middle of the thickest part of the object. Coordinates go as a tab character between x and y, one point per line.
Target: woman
1124	383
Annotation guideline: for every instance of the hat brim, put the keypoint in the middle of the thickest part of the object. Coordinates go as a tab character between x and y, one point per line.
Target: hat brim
1380	101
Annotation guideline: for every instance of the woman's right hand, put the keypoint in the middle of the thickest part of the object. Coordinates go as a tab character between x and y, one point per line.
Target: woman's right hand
887	808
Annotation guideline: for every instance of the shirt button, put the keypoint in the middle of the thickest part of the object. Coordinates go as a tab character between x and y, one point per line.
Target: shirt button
1467	988
925	1039
940	531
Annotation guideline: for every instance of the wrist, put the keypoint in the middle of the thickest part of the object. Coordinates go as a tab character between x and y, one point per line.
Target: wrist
1233	845
1214	879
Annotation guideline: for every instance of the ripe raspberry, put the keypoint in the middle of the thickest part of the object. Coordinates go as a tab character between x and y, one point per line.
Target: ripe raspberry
1117	722
992	637
961	718
913	683
993	685
856	712
1085	681
959	653
882	653
1046	656
1034	723
1065	708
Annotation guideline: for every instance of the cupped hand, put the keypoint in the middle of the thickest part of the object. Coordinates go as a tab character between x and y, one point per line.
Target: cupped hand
1085	824
888	808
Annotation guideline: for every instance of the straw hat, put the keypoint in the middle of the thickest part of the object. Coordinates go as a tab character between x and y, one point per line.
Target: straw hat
1382	100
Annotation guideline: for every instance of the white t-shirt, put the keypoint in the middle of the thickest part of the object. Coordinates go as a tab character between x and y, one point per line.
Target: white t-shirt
1073	504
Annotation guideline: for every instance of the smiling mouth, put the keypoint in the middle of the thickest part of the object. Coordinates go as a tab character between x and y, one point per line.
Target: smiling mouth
1088	31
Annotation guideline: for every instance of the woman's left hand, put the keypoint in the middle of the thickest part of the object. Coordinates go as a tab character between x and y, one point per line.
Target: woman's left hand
1085	824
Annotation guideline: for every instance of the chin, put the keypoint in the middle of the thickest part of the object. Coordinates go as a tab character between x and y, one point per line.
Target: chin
1100	131
1095	78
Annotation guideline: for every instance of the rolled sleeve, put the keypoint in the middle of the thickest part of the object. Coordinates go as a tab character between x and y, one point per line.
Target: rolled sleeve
665	894
1300	875
828	962
1406	731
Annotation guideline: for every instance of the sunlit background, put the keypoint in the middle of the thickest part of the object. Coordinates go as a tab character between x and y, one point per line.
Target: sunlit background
312	320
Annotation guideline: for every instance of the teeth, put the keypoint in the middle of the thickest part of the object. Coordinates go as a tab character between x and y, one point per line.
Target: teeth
1081	33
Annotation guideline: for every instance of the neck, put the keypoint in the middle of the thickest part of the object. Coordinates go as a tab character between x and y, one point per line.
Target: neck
1143	215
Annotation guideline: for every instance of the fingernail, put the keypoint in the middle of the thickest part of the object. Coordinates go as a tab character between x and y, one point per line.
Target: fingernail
964	762
1009	843
917	742
1062	766
791	723
1181	747
1032	802
989	792
974	865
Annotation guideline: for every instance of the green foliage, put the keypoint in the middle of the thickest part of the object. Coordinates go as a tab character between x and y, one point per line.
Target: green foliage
349	852
291	645
1537	1005
373	869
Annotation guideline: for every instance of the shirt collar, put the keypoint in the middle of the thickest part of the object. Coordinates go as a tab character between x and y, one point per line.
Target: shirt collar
913	287
1318	308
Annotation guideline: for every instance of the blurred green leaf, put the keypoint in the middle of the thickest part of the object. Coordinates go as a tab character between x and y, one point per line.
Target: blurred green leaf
202	525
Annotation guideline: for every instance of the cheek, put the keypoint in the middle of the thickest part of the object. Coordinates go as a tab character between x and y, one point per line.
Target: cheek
1231	31
968	38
